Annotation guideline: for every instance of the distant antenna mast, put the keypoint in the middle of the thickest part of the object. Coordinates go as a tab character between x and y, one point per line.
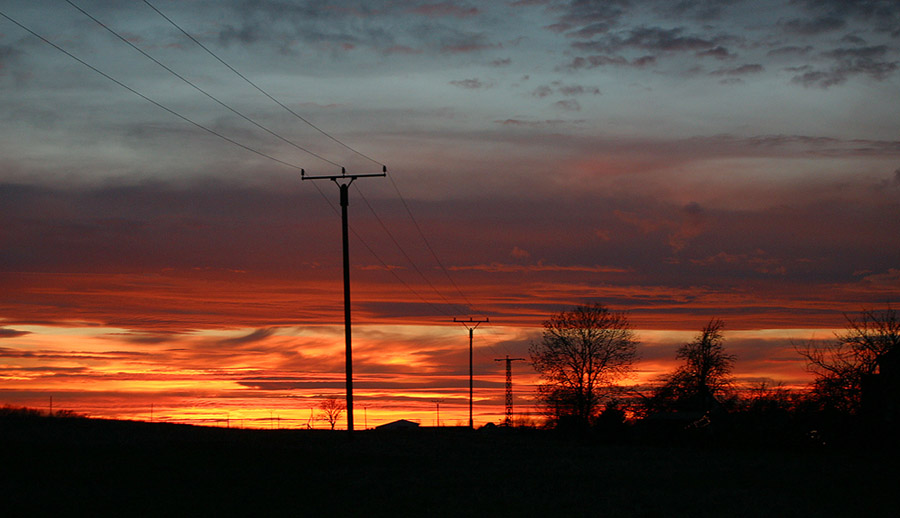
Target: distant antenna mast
470	325
509	394
438	410
343	181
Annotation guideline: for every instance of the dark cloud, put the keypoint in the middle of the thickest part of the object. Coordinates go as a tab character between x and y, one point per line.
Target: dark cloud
294	28
536	123
12	333
587	19
790	51
717	52
881	15
151	225
255	336
471	84
578	90
703	10
650	43
742	70
808	27
542	91
849	62
596	61
145	338
245	34
47	354
564	89
403	310
568	105
665	40
853	39
441	9
286	26
864	53
247	256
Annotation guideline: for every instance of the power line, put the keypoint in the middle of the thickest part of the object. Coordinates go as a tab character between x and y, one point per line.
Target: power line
387	267
202	91
155	103
397	277
254	85
292	112
257	87
265	155
428	245
402	251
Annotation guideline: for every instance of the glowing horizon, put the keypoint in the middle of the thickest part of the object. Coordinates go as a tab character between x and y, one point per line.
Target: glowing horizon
244	376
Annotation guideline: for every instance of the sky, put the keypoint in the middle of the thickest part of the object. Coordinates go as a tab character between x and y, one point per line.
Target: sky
160	256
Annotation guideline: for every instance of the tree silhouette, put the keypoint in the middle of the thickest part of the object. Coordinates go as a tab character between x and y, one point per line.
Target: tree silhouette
582	352
858	371
332	409
704	376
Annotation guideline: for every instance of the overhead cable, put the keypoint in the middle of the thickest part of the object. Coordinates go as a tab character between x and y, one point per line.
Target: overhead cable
402	251
292	112
148	99
254	85
428	245
202	91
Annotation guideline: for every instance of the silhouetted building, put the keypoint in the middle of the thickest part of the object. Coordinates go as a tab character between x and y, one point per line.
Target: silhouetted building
401	424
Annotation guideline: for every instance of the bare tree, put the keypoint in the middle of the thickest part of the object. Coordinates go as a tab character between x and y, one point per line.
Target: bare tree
582	353
704	376
859	368
332	409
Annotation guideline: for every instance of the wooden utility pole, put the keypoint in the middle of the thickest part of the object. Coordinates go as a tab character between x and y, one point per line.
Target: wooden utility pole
343	181
470	324
509	394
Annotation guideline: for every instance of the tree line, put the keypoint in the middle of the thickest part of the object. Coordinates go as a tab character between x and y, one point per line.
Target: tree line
585	352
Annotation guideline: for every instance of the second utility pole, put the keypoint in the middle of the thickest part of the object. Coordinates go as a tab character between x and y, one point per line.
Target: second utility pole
469	325
345	197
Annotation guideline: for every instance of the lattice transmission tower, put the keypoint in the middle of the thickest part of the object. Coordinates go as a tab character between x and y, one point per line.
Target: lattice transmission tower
509	394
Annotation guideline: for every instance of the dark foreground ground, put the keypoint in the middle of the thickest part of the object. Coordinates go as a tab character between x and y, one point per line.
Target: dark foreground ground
80	467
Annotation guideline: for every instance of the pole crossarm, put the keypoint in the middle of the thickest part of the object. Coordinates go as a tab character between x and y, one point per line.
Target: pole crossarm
345	197
471	324
342	176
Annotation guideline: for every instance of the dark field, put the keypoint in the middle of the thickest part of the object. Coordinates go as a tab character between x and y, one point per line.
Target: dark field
90	467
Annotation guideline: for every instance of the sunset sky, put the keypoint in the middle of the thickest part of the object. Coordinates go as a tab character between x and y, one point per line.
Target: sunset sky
678	160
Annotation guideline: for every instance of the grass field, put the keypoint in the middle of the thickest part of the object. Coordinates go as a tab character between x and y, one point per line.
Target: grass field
94	467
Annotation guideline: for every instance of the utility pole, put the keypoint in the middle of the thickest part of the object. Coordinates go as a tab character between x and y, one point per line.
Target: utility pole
343	181
470	324
509	395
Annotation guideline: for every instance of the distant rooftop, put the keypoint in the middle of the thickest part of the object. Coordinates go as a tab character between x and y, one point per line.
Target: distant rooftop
400	424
